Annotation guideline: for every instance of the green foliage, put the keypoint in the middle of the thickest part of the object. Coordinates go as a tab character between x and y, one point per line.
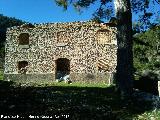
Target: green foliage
9	22
1	74
141	8
104	11
63	3
149	115
147	50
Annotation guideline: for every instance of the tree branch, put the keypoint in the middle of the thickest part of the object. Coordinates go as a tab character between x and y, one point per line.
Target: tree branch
157	2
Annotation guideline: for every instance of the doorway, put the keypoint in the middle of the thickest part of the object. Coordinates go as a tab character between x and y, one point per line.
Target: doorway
62	67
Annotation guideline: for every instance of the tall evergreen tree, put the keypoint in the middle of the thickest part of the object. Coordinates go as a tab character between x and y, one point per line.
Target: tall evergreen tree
124	75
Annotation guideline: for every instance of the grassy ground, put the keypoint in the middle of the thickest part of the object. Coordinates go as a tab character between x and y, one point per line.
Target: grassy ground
1	74
71	101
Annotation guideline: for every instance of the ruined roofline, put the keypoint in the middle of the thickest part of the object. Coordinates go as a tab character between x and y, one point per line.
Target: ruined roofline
35	25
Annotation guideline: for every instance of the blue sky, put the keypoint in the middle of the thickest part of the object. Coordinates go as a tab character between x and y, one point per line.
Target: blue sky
42	11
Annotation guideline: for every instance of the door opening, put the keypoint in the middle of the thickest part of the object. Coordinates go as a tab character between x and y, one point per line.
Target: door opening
62	67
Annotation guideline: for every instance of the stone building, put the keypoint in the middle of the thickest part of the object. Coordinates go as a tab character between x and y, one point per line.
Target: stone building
86	51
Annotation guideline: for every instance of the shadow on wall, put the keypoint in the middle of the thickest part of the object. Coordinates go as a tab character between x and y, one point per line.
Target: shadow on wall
148	82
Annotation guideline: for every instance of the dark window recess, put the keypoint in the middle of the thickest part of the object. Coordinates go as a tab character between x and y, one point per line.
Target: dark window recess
24	39
22	67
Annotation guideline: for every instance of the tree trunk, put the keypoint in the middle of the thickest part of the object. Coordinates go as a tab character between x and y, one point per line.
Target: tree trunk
124	75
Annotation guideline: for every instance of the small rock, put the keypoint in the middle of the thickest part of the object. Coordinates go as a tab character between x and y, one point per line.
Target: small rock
84	91
152	118
12	106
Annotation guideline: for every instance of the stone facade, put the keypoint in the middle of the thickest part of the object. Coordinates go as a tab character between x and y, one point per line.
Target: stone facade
89	47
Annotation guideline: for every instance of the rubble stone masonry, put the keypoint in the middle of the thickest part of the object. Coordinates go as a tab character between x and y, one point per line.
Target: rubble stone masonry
90	47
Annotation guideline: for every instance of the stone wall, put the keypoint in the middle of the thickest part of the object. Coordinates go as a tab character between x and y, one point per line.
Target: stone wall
91	48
